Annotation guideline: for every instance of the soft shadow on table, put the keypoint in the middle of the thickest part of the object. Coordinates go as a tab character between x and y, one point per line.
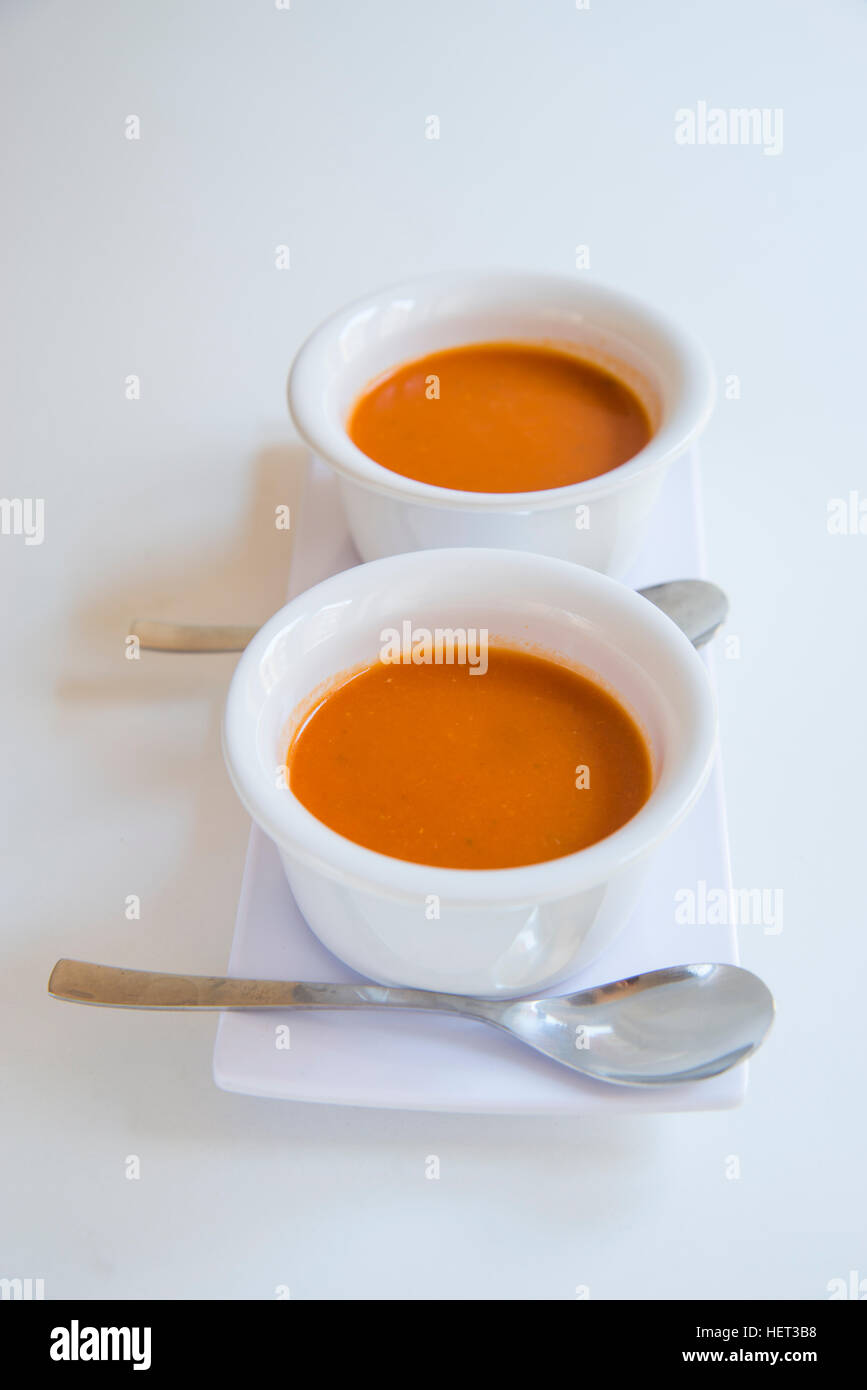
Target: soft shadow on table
172	703
152	754
140	1083
167	1103
242	580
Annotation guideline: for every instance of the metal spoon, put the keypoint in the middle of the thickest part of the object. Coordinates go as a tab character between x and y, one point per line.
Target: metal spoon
697	606
680	1024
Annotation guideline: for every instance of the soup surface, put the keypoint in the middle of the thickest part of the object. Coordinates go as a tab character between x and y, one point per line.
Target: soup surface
526	762
499	417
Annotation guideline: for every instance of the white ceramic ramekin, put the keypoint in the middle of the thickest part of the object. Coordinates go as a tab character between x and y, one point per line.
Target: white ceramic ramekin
597	523
498	931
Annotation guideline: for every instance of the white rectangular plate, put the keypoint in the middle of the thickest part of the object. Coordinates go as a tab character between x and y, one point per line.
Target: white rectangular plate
416	1062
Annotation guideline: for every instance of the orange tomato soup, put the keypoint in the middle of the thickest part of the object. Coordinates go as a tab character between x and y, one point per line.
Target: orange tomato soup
499	417
526	762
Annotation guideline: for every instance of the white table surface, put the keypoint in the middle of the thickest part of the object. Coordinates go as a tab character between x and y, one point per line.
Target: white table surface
262	127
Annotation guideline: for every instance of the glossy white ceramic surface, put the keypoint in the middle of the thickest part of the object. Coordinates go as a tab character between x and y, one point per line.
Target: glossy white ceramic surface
507	931
599	522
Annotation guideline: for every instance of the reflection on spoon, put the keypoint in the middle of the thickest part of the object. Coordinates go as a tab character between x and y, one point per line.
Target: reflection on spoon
684	1023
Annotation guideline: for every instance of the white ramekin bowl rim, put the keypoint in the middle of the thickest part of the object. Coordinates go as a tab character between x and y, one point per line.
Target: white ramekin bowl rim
294	829
325	433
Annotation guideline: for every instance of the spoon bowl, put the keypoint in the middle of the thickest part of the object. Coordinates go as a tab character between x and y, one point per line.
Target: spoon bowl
679	1024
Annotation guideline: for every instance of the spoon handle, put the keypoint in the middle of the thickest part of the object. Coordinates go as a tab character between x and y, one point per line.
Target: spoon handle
697	606
82	982
190	637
